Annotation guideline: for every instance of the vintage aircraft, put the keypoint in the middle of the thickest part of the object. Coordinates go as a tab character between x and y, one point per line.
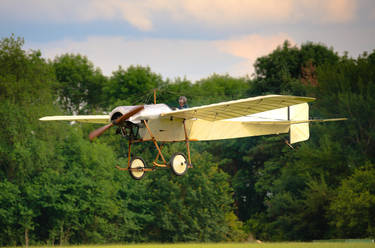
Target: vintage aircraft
262	115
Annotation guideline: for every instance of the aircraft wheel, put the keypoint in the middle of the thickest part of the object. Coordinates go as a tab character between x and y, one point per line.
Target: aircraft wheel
137	164
179	164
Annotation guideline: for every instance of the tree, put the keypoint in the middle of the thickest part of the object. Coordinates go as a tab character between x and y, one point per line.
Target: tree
352	212
216	88
76	199
57	187
25	95
196	207
131	86
282	71
348	89
25	82
80	84
9	202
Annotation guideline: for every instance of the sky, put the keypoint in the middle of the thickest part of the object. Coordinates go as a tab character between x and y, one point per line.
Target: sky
190	39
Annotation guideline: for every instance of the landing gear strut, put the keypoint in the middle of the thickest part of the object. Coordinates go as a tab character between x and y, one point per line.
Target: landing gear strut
137	166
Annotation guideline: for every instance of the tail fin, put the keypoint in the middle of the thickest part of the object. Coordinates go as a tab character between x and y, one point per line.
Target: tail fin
299	132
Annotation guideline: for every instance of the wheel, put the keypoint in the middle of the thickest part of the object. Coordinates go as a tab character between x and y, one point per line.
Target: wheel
136	168
179	164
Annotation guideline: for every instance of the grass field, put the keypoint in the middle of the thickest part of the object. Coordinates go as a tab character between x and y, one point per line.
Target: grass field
228	245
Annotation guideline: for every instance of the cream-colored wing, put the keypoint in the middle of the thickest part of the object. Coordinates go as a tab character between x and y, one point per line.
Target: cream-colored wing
103	119
238	108
277	122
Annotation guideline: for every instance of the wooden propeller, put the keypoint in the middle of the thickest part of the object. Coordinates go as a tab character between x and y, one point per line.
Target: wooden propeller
101	130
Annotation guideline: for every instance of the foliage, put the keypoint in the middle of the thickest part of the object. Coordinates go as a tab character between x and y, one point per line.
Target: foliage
350	84
58	188
356	195
132	86
195	207
282	70
79	83
298	186
324	244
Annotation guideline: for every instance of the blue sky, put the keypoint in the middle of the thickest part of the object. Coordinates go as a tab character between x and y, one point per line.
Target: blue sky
190	38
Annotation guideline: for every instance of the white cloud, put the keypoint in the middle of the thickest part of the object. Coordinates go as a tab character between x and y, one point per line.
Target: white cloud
251	47
234	12
41	10
171	58
193	59
136	13
326	11
210	13
340	10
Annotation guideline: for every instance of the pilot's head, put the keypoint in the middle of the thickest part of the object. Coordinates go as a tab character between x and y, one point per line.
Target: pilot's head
182	100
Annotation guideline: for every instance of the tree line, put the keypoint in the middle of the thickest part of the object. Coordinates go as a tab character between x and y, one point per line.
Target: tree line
56	187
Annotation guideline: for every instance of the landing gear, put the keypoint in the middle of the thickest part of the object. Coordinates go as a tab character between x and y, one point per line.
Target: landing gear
137	168
179	164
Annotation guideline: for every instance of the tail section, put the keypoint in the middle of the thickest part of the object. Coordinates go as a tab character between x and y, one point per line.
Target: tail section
293	120
298	116
300	131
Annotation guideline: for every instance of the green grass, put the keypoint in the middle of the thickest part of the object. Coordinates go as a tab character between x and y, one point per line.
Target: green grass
229	245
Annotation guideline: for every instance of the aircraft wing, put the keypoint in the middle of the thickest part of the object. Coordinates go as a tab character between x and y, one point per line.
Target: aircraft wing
238	108
286	122
103	119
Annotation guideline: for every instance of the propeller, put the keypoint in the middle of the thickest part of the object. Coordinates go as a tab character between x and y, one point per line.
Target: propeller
101	130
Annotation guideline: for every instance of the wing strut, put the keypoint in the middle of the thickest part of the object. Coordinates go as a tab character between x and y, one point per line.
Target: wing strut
187	146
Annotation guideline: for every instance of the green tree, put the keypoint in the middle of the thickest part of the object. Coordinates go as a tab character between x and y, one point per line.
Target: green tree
289	69
300	193
25	95
80	84
348	89
218	88
9	202
195	207
169	92
352	212
25	147
76	200
56	187
132	86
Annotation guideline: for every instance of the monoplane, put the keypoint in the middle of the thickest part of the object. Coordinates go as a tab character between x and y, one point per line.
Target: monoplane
158	123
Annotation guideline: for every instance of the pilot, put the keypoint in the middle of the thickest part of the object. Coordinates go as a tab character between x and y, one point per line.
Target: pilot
182	102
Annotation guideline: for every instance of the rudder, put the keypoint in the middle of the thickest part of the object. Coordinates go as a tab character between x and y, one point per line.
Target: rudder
299	132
